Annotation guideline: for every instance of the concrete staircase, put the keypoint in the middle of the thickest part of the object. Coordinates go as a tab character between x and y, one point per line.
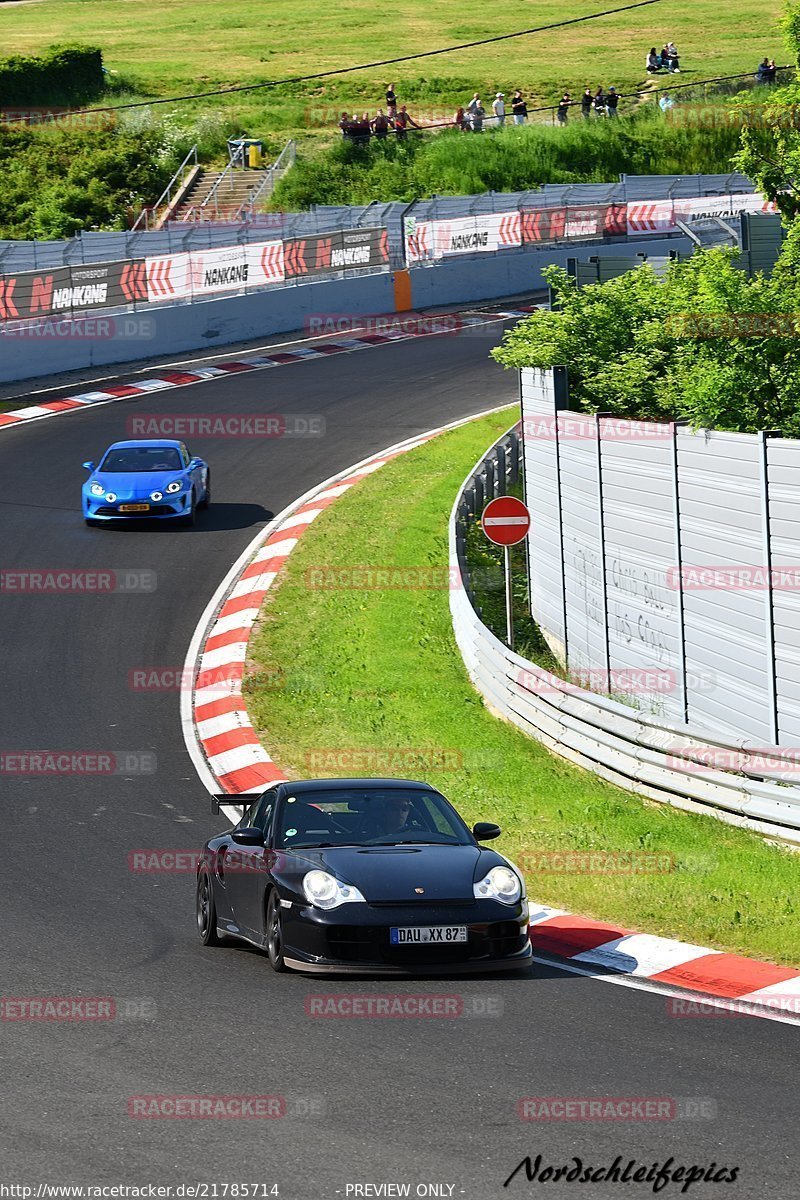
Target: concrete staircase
208	199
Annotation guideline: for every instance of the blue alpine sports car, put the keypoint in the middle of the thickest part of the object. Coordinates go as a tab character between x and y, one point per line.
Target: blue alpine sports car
144	479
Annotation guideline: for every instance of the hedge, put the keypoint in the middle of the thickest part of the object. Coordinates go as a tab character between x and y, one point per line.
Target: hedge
61	75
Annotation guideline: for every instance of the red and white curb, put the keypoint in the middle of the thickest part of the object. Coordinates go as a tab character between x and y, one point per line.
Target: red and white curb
229	757
174	379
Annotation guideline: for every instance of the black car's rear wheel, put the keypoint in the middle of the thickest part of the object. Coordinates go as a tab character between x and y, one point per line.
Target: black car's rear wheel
206	910
275	932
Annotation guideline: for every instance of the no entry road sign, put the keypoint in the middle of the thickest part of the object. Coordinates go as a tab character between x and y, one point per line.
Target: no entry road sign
506	521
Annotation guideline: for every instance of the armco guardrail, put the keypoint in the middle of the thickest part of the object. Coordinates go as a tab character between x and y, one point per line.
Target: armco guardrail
688	768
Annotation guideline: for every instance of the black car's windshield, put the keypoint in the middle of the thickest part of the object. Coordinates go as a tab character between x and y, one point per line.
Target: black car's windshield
368	817
142	458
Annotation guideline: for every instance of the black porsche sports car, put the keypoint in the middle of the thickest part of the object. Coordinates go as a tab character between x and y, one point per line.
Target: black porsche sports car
363	875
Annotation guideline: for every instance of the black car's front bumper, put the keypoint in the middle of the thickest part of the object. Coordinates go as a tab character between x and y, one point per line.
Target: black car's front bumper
354	938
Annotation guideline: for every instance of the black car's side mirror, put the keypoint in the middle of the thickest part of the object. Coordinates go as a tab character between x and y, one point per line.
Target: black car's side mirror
89	466
249	836
484	831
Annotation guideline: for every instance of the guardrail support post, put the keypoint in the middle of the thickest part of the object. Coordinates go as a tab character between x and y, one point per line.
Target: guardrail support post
676	518
601	520
769	605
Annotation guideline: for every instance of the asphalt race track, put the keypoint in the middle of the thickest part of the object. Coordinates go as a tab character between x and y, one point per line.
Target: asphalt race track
369	1101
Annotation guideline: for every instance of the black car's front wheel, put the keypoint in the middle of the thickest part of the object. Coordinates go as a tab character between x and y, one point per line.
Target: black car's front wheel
206	910
275	932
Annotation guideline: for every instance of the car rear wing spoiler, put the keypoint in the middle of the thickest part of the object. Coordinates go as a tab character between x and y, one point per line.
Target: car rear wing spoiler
220	798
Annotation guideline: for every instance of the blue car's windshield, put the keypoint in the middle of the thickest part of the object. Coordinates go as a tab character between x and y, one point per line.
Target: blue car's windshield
142	458
368	817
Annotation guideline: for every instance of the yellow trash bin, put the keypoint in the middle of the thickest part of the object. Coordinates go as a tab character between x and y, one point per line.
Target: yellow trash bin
254	156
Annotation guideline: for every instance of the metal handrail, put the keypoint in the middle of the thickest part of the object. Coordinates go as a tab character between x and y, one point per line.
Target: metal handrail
167	193
273	173
227	175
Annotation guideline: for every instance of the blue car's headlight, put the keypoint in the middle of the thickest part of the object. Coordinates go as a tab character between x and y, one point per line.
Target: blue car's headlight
500	884
96	489
156	495
175	486
323	890
111	497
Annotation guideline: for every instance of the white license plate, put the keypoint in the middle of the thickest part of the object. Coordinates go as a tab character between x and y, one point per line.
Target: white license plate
418	935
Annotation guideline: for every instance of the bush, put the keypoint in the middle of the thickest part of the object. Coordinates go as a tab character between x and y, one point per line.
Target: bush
512	159
62	75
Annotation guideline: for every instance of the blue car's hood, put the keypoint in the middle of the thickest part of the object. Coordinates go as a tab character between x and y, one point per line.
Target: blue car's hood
394	873
134	484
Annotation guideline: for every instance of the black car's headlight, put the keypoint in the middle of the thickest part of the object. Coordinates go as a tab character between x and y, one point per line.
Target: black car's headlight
500	884
323	890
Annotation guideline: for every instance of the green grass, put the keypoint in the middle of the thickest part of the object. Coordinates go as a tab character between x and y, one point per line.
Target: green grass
365	670
188	45
513	159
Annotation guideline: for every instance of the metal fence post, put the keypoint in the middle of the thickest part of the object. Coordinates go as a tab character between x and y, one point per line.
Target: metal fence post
676	513
769	605
601	527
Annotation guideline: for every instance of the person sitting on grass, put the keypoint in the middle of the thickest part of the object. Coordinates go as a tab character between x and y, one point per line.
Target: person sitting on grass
652	62
673	62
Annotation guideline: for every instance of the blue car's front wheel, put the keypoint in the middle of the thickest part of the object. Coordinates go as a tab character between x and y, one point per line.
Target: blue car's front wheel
191	513
91	521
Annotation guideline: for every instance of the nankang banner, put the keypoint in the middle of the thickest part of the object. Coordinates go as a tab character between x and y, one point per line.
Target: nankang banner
345	250
64	291
485	233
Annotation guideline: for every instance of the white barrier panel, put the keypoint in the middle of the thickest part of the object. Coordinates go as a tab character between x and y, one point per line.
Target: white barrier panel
487	232
209	272
690	768
661	216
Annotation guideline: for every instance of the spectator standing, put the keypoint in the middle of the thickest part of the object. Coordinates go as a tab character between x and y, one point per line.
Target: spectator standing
474	102
459	120
476	118
612	100
499	110
401	123
599	102
391	102
772	72
363	129
380	124
586	103
519	108
346	126
666	103
762	74
564	105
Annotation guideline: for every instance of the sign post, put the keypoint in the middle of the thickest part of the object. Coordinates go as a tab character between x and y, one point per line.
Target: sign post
506	521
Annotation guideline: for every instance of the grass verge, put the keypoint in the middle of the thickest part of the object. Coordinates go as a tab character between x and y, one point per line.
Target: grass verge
353	670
